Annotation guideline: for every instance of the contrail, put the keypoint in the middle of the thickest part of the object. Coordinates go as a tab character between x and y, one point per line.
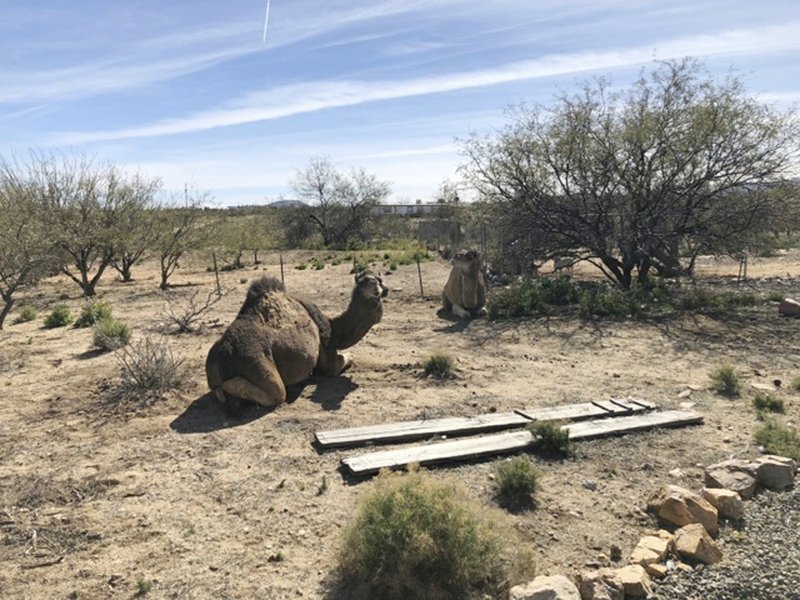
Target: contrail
266	23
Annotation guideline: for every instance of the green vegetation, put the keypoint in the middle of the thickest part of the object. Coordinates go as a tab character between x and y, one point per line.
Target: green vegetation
418	537
516	481
143	587
26	314
93	313
726	381
58	317
767	403
438	366
794	384
779	439
111	334
553	441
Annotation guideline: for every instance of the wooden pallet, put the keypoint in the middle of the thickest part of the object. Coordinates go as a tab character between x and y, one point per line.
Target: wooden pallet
407	431
475	447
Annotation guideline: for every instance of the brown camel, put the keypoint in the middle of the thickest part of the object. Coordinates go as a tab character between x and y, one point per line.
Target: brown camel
278	340
465	291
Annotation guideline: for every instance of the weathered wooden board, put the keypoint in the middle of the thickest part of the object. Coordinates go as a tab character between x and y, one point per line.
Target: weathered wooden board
476	447
453	426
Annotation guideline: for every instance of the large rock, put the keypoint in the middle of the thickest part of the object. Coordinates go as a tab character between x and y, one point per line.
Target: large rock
635	581
650	549
680	507
555	587
736	475
789	308
602	584
775	472
728	503
693	543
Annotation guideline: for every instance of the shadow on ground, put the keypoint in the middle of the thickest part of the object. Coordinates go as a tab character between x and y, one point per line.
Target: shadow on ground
205	415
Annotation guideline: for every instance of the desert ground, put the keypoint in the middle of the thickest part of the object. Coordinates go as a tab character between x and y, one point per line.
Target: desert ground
168	495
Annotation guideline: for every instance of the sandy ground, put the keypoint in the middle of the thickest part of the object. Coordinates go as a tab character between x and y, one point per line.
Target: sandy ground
102	499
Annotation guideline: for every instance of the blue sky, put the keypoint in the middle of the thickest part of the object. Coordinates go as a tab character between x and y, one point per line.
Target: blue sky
188	92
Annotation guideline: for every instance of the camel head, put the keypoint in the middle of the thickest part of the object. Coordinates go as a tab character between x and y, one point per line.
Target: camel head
467	261
369	286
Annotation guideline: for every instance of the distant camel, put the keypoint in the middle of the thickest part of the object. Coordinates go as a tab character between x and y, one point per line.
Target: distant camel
278	340
465	291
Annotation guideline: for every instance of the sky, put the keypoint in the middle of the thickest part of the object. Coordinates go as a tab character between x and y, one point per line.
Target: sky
190	92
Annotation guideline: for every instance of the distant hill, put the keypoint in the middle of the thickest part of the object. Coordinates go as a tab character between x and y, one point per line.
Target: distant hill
287	204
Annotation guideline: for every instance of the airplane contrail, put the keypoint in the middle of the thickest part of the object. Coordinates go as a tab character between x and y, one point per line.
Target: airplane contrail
266	23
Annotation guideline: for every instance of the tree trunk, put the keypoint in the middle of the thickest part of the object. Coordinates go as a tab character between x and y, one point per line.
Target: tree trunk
9	302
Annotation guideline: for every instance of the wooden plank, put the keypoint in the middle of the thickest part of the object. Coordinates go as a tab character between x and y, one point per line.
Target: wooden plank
453	426
498	443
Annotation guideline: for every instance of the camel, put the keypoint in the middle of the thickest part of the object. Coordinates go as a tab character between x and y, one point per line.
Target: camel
278	340
465	291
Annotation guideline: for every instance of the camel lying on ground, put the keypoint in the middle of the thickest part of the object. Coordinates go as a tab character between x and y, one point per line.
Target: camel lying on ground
278	340
465	291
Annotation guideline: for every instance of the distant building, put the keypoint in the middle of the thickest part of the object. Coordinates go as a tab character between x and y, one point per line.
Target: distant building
407	210
287	204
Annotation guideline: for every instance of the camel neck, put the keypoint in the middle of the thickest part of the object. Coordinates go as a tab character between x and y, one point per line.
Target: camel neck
353	324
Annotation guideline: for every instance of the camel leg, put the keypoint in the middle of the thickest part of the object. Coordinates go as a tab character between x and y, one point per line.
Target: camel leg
479	312
242	388
331	363
446	304
460	312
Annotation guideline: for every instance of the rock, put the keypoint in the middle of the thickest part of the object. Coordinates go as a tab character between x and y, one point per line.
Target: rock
762	387
693	543
635	581
728	503
554	587
736	475
680	507
789	308
650	549
775	472
656	570
684	394
602	584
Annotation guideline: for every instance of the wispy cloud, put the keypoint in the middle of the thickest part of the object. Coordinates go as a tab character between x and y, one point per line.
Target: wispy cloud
285	101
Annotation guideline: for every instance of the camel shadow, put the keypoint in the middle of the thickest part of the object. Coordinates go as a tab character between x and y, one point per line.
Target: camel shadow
205	414
457	325
330	392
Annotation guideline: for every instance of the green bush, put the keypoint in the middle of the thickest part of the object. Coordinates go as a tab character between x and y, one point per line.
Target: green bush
558	291
317	264
26	314
765	402
110	334
726	381
417	537
779	439
795	384
58	317
606	301
301	267
553	441
516	481
92	314
523	299
439	366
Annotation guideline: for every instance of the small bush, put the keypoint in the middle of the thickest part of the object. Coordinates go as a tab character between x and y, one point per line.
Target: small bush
58	317
553	441
795	384
519	300
439	366
301	267
607	301
768	403
779	439
516	481
149	365
416	537
143	587
26	314
726	381
110	334
92	314
559	291
317	264
774	296
393	266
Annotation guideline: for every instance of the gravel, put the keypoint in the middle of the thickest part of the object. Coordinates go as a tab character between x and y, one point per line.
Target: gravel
761	557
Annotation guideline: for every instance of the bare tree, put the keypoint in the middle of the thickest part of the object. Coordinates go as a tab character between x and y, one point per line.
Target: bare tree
341	204
26	247
642	179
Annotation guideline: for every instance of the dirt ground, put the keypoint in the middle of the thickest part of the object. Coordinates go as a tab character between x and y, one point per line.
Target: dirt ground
102	499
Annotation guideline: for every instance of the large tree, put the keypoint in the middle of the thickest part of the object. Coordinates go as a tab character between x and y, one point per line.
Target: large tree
341	204
640	179
136	224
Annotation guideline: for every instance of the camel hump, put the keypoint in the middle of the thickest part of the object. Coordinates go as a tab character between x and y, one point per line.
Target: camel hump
260	288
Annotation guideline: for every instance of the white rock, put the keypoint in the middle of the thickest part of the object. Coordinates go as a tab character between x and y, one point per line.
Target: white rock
554	587
728	503
775	472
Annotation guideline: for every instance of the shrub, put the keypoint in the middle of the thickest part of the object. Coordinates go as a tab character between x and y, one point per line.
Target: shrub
519	300
301	267
726	381
768	403
779	439
58	317
559	291
92	314
605	300
516	481
26	314
149	365
795	384
553	441
110	334
439	366
416	537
